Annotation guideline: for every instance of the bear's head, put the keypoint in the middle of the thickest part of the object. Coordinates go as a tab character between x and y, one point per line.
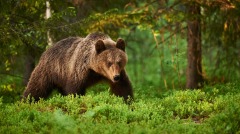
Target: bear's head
110	58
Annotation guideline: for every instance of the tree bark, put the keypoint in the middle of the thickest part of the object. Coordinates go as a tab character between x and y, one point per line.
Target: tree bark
194	56
48	15
29	63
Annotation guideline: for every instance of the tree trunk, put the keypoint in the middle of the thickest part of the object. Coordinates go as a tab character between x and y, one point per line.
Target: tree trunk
29	63
194	67
48	15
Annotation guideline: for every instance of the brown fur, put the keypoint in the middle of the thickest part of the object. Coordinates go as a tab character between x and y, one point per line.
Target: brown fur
74	64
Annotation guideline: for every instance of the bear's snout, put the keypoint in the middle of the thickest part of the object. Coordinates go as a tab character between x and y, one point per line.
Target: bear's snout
116	77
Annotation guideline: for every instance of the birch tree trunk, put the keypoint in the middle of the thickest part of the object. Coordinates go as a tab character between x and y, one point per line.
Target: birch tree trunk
48	15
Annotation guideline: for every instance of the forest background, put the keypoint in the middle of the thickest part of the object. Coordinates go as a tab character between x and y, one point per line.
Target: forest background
158	34
172	45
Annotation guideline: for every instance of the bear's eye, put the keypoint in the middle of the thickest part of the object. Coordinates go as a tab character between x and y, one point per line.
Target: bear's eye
109	64
119	63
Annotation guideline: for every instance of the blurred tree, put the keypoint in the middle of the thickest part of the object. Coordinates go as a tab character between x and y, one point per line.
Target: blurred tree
23	35
19	34
194	67
221	47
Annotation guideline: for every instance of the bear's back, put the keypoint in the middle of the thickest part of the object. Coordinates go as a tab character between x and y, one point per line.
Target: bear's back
70	44
63	46
75	48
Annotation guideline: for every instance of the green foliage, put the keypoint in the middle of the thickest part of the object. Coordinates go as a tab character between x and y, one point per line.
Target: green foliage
221	41
10	89
168	59
195	104
211	110
229	118
156	35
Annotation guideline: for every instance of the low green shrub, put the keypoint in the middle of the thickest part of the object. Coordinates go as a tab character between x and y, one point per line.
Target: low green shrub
214	109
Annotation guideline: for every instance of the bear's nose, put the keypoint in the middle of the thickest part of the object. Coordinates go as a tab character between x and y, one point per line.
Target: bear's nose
116	78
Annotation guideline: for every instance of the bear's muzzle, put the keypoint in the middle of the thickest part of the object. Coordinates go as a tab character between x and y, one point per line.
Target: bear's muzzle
116	78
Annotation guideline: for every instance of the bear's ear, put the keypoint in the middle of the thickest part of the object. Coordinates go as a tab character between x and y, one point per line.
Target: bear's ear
99	46
121	44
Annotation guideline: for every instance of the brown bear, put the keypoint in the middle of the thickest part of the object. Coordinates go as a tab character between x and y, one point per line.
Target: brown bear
73	64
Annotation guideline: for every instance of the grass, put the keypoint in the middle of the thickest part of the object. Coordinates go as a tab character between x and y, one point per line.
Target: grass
214	109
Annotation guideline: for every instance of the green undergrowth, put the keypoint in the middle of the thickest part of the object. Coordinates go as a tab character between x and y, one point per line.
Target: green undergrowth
214	109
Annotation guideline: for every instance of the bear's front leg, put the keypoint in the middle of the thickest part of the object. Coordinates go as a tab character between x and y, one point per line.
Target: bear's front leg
74	88
123	88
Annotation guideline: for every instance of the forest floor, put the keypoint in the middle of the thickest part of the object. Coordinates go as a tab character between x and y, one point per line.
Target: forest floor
213	109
